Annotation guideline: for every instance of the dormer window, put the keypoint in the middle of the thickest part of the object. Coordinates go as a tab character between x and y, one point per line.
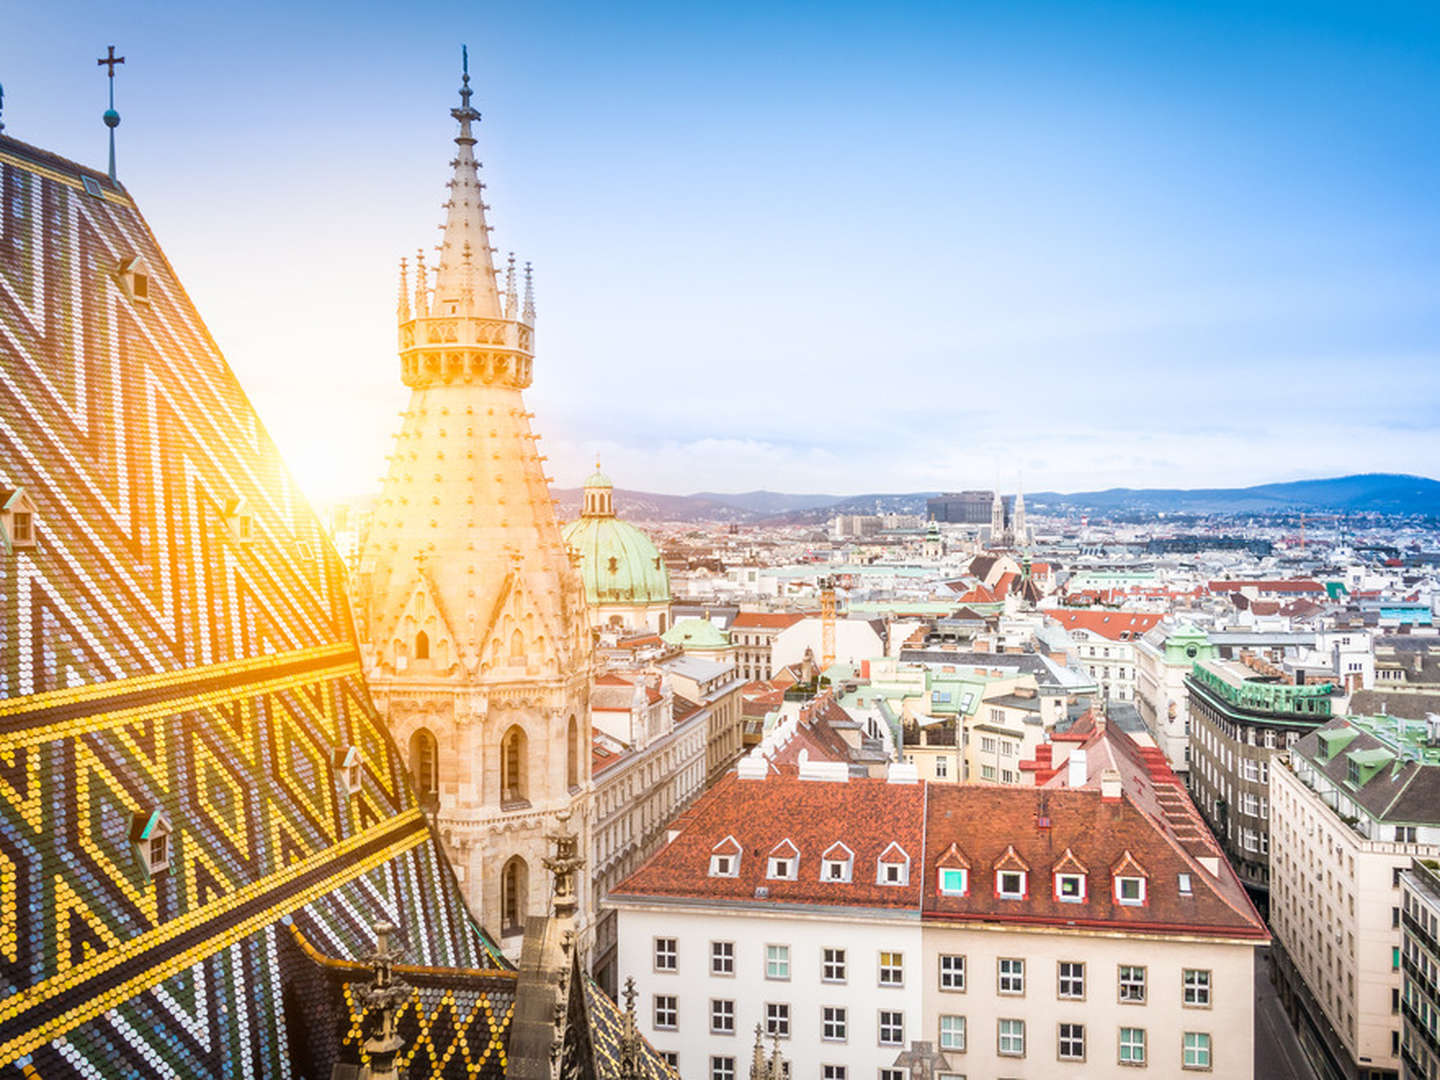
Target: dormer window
1071	879
1070	888
239	521
893	866
837	863
1012	876
1130	881
954	881
17	518
150	837
953	872
133	277
1130	890
348	765
784	861
725	858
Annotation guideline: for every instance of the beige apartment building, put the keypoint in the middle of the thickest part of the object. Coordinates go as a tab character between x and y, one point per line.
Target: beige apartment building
1354	802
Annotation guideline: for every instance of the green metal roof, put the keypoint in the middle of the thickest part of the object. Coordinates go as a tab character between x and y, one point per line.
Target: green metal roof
696	634
618	562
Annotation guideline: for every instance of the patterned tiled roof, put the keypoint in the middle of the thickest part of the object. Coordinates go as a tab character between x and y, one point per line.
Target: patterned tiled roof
177	639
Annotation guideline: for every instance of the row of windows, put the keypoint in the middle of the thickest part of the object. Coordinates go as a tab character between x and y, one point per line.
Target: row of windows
1072	888
1131	979
1071	1044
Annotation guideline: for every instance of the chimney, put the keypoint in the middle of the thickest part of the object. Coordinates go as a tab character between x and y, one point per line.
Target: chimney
1110	785
1076	775
901	772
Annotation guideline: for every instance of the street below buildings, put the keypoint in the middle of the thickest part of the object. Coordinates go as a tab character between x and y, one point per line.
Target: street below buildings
1277	1049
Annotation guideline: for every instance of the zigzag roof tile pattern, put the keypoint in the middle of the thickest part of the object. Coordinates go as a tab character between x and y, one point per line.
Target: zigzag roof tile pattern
177	638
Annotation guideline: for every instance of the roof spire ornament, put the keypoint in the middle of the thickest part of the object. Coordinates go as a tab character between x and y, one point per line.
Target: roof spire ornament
465	219
422	301
111	117
528	313
512	298
2	106
402	303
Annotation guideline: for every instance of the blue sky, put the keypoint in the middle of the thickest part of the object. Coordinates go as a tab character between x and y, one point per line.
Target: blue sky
832	248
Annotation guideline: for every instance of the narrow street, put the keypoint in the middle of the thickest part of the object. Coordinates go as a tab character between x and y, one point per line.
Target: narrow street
1277	1050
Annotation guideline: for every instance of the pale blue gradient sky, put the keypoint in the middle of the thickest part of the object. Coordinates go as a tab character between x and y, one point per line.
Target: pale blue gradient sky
832	248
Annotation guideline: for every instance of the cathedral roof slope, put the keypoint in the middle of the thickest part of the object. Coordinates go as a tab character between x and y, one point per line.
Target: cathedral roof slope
191	755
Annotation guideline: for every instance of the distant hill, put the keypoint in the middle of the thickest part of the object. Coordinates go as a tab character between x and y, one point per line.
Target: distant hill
1384	493
1381	493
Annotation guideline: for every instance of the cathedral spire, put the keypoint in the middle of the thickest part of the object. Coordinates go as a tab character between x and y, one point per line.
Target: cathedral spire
465	221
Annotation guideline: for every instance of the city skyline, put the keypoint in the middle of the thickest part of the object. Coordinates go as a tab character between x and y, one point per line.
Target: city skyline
1100	206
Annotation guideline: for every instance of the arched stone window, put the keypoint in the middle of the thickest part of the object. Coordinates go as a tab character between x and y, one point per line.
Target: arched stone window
422	646
425	762
514	767
514	884
572	755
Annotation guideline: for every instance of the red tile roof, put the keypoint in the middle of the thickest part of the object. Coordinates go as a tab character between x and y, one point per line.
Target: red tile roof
865	815
770	620
1115	625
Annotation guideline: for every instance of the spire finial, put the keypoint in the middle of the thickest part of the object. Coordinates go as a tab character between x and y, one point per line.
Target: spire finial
512	298
422	299
2	106
528	312
111	117
402	303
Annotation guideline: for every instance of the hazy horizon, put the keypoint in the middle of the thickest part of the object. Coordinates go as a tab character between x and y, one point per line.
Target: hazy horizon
914	249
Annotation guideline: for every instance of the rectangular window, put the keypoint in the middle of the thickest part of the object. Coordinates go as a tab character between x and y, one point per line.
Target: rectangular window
1196	984
892	969
834	1023
1196	1050
832	967
892	1028
1070	888
667	1012
1132	984
942	768
777	961
1011	1038
952	972
1130	890
777	1018
1012	976
722	1068
952	1033
1132	1046
722	958
1072	1042
666	954
1072	979
952	881
833	1072
1011	884
722	1016
987	772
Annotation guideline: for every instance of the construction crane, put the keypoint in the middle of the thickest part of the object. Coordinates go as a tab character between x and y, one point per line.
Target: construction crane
827	622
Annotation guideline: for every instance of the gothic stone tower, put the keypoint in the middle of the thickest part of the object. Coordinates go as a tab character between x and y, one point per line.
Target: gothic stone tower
470	610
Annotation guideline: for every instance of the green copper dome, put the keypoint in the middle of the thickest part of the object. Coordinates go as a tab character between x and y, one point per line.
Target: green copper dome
598	479
696	634
618	563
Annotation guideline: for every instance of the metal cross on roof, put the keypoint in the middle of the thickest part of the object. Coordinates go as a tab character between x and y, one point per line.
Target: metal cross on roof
111	117
921	1059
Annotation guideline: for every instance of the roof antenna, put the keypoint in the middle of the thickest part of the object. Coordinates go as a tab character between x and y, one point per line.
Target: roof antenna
111	117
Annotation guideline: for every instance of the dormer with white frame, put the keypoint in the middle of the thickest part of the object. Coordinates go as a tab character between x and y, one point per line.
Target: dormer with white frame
1071	878
17	518
952	876
784	862
1131	882
837	863
725	858
893	866
1012	876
